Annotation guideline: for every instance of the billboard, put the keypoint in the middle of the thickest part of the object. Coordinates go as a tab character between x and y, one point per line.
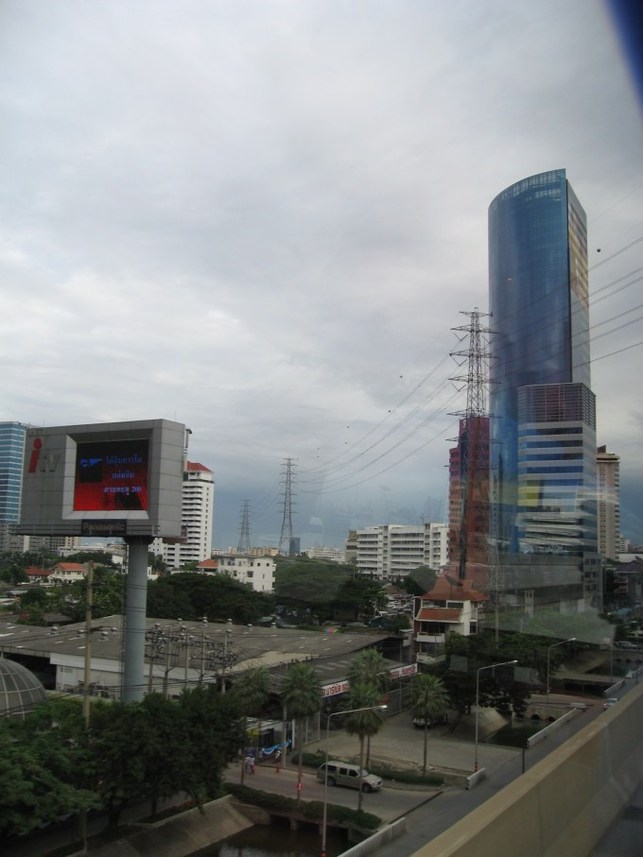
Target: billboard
110	479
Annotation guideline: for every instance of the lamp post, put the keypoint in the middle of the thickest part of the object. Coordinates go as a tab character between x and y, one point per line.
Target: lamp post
549	648
337	714
478	671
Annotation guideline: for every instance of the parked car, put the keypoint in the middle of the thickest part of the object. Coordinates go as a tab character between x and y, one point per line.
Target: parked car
343	774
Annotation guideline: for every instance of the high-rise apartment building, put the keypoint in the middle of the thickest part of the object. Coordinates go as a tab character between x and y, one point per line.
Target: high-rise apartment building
197	514
542	410
390	551
609	503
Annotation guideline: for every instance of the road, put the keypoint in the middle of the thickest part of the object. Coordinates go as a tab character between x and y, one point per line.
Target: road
388	804
399	741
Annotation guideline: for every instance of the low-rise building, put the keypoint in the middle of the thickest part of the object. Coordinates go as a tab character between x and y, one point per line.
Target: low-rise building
451	607
38	575
258	572
67	572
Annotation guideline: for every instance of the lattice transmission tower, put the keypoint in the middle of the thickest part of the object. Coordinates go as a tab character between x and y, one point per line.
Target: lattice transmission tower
469	524
244	528
286	522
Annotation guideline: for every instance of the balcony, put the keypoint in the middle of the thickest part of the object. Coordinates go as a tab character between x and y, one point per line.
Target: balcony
436	639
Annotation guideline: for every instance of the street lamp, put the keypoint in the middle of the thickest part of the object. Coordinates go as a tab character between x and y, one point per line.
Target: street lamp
338	714
549	648
478	671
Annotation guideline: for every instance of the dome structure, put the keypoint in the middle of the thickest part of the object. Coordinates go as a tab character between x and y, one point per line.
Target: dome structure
20	690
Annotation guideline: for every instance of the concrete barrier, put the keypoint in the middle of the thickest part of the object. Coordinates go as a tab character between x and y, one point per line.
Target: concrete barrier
552	727
181	835
564	804
476	777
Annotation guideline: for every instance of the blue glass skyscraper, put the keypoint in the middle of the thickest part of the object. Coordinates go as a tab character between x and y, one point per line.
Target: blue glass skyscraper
543	424
12	449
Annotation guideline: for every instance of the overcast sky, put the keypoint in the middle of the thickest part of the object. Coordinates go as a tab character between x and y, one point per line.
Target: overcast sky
263	219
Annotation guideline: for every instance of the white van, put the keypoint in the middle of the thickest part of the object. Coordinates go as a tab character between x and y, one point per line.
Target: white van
343	774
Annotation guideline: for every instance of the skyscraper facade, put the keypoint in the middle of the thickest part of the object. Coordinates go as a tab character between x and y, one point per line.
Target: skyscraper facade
542	410
12	451
609	503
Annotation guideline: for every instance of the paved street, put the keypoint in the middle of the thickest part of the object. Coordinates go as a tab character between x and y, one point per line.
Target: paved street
401	745
389	804
428	813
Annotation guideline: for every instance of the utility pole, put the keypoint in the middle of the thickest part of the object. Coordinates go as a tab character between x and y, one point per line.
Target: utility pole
87	672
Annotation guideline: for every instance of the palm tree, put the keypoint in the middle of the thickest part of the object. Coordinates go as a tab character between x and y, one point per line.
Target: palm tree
429	699
251	693
369	669
302	695
363	723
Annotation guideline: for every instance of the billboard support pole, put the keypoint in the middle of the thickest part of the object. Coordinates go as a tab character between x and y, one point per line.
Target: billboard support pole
135	612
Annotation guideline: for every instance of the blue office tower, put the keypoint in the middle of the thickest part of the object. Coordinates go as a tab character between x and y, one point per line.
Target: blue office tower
12	450
543	413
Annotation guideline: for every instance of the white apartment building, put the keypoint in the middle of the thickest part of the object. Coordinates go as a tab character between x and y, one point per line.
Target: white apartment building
197	515
321	552
256	571
390	551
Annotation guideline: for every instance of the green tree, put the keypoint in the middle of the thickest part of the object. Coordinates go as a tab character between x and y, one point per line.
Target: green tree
99	558
369	669
359	598
302	584
214	735
163	755
118	739
190	596
421	580
13	574
108	595
42	763
157	563
302	695
251	693
33	605
429	701
366	722
33	793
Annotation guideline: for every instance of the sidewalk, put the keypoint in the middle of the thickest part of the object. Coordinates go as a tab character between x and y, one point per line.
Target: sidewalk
400	744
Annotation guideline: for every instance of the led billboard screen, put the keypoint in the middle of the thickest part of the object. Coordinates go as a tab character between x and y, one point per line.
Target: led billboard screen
107	479
111	476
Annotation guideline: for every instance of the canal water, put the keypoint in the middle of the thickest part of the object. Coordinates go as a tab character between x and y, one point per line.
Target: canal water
277	841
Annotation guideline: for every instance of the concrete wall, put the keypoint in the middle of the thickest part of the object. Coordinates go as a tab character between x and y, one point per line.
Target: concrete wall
181	835
564	804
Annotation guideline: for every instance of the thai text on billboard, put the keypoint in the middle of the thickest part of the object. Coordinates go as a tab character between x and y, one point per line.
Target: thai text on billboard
111	476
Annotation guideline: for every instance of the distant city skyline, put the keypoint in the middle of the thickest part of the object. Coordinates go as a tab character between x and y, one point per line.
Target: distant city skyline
263	219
